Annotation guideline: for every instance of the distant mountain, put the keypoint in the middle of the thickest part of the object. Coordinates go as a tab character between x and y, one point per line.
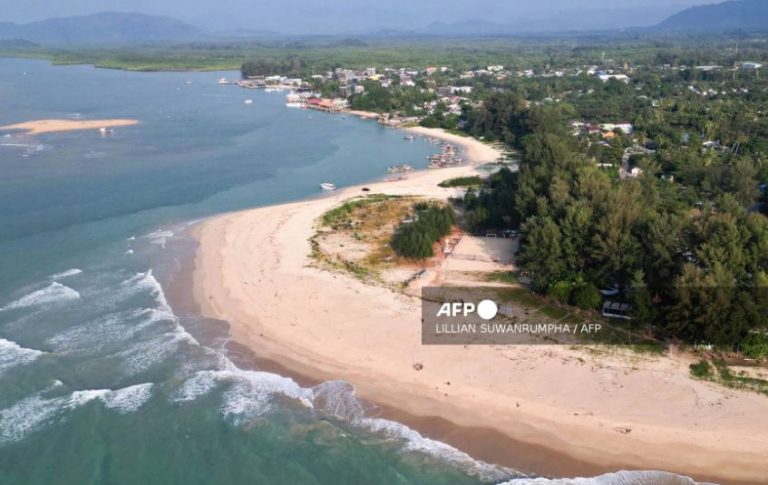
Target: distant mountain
748	15
102	28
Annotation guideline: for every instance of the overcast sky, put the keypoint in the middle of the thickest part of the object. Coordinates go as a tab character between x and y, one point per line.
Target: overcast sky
341	16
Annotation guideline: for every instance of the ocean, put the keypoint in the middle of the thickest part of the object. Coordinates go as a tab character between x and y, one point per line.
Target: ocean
102	381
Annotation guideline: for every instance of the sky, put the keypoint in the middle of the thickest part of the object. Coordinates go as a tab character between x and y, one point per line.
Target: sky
362	16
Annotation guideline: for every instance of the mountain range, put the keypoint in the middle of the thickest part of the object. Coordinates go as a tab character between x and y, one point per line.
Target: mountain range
102	28
125	28
747	15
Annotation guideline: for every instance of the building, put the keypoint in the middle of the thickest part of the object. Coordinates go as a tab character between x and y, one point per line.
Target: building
618	77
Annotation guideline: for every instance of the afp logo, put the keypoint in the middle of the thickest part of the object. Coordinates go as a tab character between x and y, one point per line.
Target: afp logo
486	309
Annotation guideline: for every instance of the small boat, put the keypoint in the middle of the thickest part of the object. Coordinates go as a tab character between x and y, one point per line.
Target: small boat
327	186
248	101
409	138
294	105
106	131
223	80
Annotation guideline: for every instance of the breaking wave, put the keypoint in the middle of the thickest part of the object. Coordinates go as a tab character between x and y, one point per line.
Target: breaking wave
14	355
618	478
30	414
66	274
53	293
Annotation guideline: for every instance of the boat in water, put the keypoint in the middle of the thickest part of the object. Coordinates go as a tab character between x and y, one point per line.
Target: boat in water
328	186
293	100
248	101
409	138
402	168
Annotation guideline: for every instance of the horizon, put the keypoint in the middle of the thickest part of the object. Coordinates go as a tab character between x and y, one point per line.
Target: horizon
300	17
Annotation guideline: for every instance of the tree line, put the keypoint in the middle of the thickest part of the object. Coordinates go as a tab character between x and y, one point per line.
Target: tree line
691	256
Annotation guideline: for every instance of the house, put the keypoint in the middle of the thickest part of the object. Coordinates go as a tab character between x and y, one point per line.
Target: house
623	127
618	77
497	68
751	66
430	70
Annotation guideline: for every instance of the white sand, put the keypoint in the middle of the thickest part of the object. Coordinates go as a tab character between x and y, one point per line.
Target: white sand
252	270
52	126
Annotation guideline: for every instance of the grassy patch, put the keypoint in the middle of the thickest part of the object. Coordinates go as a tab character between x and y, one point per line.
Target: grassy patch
508	277
471	181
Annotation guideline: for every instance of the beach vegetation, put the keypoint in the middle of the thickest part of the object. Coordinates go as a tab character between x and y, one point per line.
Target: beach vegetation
471	181
701	369
415	237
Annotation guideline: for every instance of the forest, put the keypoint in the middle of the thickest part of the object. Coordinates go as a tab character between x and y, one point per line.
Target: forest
685	242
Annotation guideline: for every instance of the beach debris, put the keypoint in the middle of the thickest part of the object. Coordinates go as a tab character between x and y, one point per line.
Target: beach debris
418	366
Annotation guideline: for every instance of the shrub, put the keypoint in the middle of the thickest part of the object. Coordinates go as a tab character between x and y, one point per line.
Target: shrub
561	291
755	346
586	296
701	369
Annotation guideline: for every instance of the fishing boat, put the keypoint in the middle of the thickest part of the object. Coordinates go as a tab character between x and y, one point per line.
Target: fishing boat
328	186
402	168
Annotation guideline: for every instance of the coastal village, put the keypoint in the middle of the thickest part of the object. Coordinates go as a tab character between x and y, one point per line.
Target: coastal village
445	94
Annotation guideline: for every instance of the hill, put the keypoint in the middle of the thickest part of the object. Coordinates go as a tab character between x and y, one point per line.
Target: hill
748	15
102	28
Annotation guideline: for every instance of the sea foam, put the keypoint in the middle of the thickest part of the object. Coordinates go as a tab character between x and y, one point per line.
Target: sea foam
248	393
53	293
618	478
65	274
13	355
31	413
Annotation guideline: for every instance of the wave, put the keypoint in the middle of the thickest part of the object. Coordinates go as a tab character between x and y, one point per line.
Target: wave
14	355
249	393
112	329
31	413
53	293
159	237
147	282
65	274
617	478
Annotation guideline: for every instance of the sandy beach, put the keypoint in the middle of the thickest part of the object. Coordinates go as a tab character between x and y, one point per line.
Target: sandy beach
40	127
602	408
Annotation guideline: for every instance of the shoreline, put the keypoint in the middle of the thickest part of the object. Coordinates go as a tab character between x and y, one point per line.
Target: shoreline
40	127
251	269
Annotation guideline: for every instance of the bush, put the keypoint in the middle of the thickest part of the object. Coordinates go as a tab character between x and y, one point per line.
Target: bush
586	296
701	369
755	346
561	291
462	182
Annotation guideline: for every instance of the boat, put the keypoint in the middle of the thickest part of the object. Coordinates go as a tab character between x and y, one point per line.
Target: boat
223	80
402	168
293	100
327	186
409	138
249	101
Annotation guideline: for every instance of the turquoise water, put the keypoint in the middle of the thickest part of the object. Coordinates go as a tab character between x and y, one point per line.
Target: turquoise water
100	381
